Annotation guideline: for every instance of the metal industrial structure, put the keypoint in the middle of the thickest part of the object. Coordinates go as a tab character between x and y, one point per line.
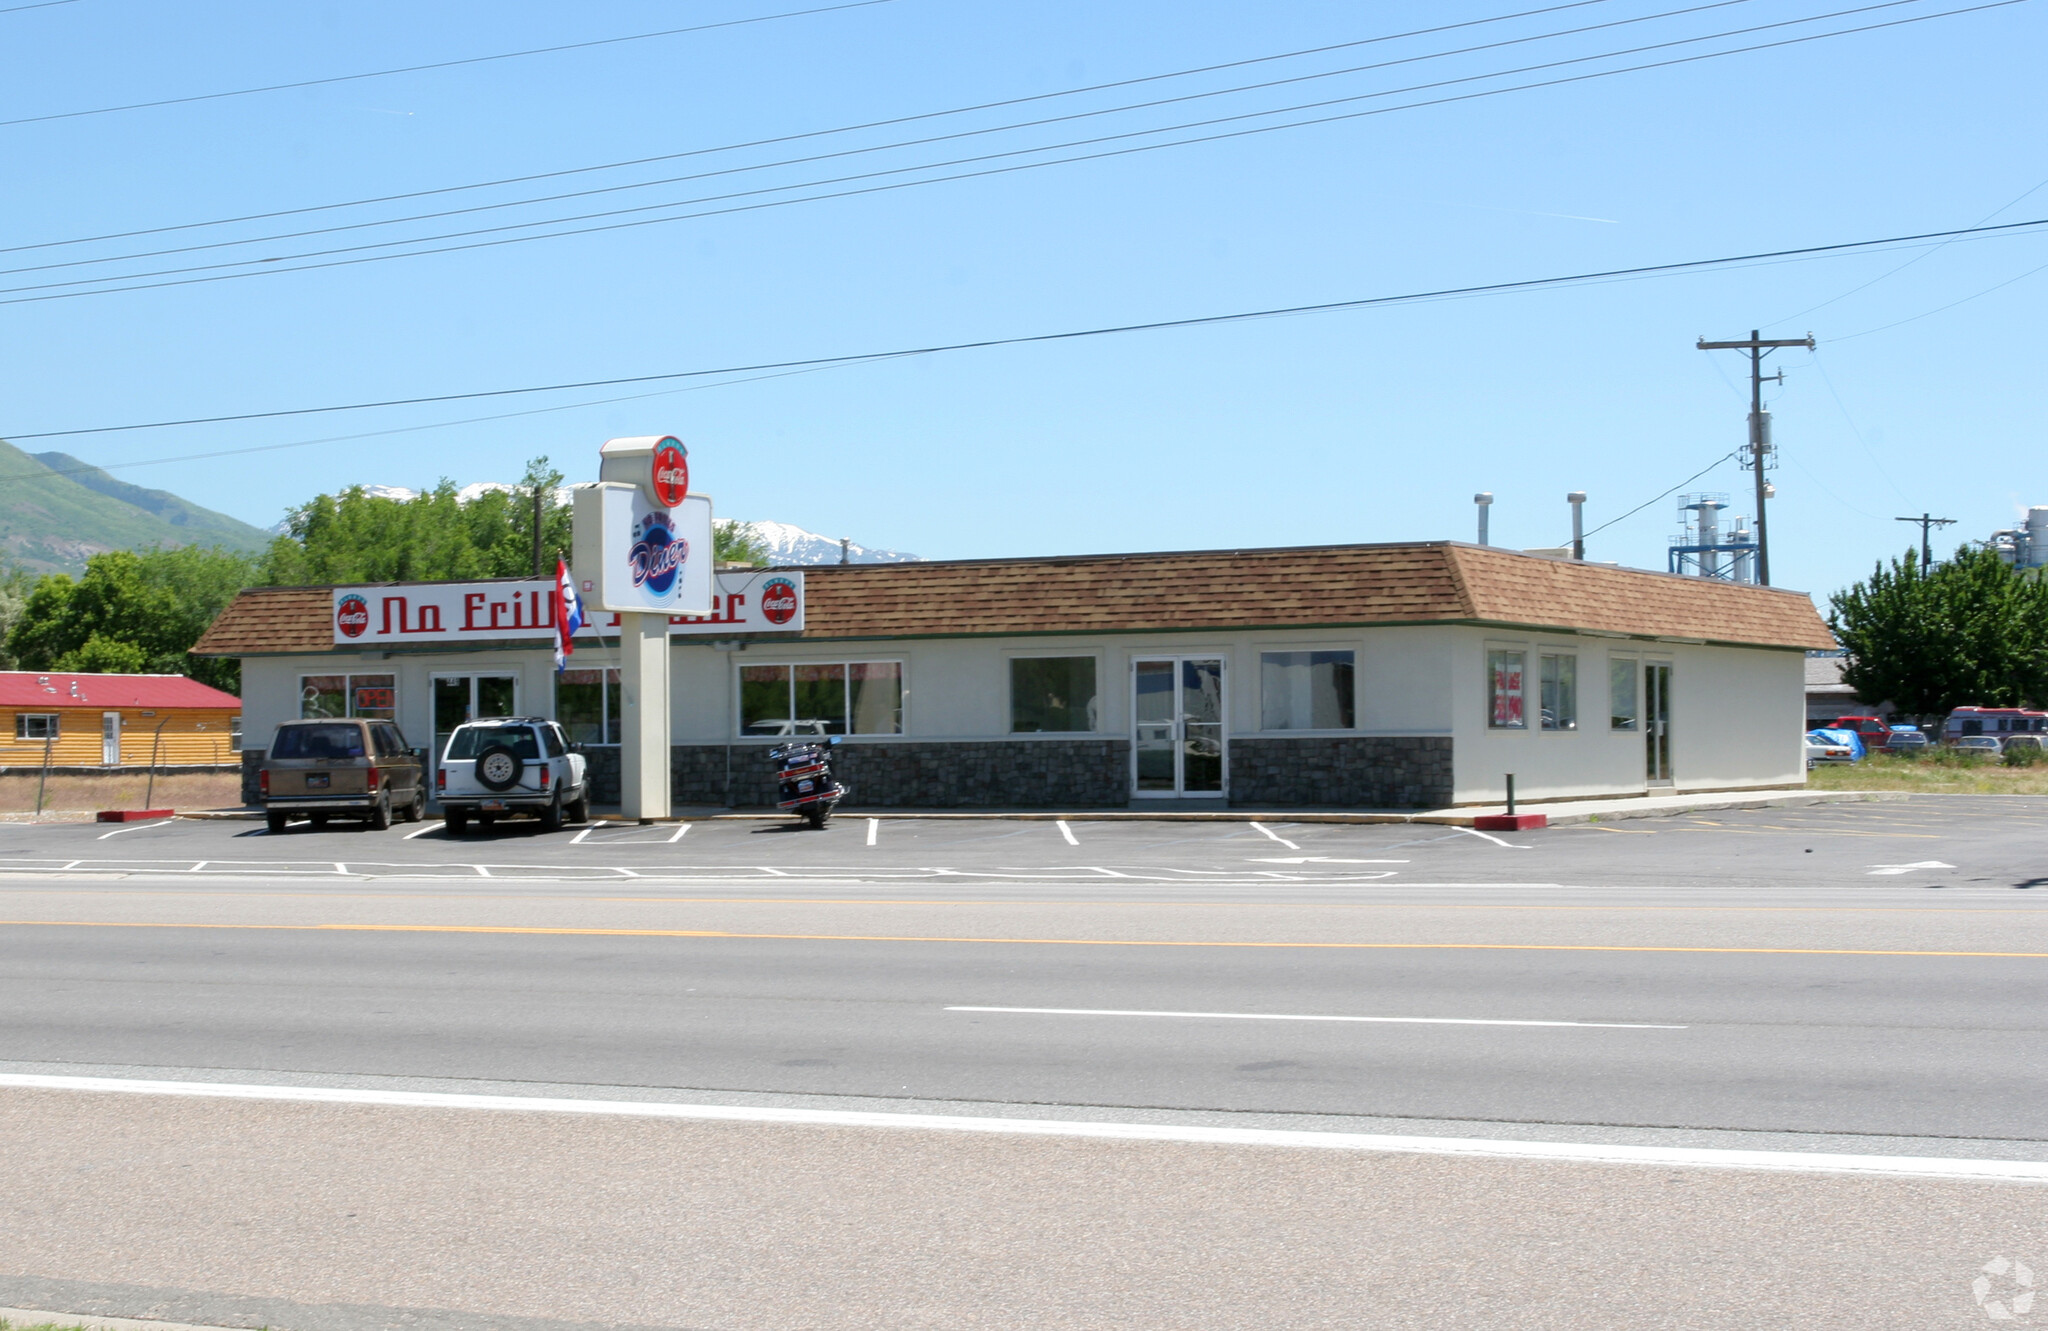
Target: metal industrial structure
1703	550
2024	547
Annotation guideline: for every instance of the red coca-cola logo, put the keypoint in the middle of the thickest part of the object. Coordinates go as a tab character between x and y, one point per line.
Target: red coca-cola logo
778	600
352	616
671	473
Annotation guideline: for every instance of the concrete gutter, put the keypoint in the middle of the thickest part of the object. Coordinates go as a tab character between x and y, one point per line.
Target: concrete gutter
1560	812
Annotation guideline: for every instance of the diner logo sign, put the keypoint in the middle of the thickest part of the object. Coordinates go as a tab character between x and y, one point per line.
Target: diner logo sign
752	601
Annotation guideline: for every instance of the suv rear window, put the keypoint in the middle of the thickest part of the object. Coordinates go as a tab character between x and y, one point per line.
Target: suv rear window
324	741
472	740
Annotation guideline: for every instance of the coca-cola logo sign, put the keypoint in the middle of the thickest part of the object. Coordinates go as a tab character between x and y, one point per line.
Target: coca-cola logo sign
657	555
671	473
779	600
352	616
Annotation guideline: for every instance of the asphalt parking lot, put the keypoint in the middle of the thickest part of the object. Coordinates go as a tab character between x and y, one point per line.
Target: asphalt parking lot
1856	981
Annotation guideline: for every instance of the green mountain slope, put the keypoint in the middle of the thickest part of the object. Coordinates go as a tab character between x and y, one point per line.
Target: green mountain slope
56	511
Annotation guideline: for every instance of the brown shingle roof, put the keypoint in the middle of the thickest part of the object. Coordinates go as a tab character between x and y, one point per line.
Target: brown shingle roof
266	620
1440	582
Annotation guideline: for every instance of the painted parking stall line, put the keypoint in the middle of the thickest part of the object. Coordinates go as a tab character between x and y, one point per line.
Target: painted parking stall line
1068	833
135	827
1270	833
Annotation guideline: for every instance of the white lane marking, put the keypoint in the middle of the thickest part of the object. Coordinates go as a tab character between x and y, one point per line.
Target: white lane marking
340	868
1276	836
1893	870
1314	859
679	833
874	827
1796	1162
577	840
421	831
481	872
1067	832
1288	1016
135	827
1473	831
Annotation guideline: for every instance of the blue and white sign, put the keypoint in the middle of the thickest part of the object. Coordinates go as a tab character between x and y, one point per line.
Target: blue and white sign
635	556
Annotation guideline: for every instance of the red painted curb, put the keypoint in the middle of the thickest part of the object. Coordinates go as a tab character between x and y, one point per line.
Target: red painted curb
1510	822
133	815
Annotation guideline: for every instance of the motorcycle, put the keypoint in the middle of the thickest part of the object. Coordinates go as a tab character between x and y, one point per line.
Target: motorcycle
804	782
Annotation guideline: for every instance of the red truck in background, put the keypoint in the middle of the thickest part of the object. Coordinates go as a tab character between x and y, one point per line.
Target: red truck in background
1871	729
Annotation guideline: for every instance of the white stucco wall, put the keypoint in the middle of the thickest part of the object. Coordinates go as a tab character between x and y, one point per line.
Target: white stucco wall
1736	713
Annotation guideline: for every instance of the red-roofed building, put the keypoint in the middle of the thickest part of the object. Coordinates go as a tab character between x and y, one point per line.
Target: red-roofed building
115	720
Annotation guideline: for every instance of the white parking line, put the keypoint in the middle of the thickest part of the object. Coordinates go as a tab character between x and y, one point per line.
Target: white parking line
1276	836
1067	832
680	829
1286	1016
421	831
135	827
1484	836
577	840
1797	1162
874	826
1894	870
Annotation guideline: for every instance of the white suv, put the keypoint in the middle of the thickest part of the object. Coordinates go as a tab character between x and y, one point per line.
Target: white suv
510	765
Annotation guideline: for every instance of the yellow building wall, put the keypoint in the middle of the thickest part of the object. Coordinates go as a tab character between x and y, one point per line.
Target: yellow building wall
190	735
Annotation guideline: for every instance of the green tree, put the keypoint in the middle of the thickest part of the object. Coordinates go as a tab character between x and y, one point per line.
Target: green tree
734	542
359	537
132	611
1970	631
15	586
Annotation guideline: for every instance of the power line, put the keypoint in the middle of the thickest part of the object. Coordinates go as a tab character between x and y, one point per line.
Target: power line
1666	495
1445	293
961	134
793	138
59	294
439	64
41	4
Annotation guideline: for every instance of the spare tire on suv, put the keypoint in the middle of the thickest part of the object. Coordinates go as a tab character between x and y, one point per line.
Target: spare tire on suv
498	767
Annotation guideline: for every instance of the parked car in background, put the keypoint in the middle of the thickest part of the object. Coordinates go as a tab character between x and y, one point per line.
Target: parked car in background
1988	745
1872	730
351	768
2021	749
1998	722
1823	748
1831	746
1908	739
518	764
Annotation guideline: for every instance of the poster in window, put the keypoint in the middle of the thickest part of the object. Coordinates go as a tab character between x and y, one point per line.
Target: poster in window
1507	689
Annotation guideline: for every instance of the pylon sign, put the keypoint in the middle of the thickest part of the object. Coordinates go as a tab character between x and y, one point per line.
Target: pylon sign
643	543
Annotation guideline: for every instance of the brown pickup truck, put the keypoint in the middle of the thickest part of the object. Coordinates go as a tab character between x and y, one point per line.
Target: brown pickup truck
355	768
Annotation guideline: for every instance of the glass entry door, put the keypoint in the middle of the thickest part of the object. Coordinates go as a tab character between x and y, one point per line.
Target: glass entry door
1177	707
459	698
1657	720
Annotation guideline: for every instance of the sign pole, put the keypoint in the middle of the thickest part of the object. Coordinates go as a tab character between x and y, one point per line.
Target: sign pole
644	729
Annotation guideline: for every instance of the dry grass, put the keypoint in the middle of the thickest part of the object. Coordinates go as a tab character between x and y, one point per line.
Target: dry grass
89	794
1944	776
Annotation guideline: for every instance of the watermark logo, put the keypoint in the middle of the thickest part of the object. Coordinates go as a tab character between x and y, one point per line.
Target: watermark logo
352	616
778	600
2005	1289
658	554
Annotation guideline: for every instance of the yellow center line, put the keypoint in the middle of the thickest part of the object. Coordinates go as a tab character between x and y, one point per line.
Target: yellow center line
1043	942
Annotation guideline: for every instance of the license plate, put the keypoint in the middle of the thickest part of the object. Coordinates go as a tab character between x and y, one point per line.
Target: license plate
805	785
494	805
316	781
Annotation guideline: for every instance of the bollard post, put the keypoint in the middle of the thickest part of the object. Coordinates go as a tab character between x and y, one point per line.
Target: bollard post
1511	794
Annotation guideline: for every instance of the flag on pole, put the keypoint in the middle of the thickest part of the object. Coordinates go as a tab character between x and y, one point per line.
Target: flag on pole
568	615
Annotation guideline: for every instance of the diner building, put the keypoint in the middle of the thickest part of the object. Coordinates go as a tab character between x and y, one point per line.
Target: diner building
1353	677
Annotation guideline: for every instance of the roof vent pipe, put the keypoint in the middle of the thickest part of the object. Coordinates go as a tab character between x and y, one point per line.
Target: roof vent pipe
1577	499
1485	501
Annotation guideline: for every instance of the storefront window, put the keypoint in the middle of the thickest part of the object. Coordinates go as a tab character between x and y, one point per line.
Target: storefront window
1052	693
1306	691
372	696
1621	693
1504	691
1560	692
587	705
824	698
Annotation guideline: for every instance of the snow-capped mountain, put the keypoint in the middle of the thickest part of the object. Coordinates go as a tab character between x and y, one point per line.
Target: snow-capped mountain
786	544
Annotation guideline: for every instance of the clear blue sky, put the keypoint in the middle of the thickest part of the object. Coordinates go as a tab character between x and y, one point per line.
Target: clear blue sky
1366	426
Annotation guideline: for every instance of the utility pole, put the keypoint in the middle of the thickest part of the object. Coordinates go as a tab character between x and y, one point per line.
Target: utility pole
1926	524
1758	347
538	571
